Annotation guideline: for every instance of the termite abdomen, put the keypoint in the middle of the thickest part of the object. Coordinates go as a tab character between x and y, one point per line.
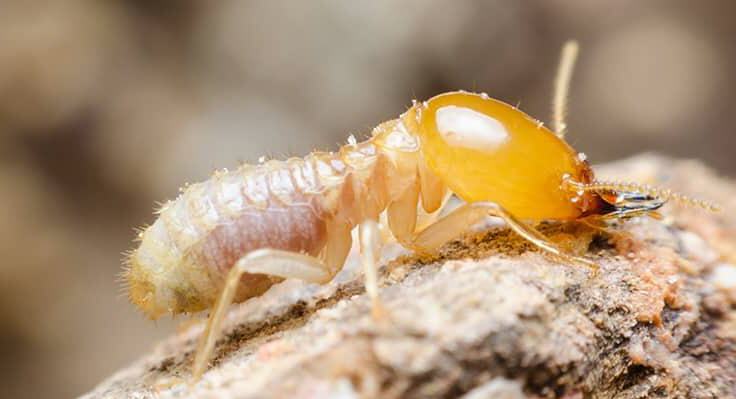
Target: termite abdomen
186	253
297	205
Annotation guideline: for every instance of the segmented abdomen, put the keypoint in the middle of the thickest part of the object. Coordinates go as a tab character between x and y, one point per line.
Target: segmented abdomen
185	254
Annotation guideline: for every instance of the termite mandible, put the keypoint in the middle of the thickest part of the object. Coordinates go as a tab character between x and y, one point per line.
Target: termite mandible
233	236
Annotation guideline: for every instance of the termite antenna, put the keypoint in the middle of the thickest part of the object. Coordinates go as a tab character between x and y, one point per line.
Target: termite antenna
656	192
562	86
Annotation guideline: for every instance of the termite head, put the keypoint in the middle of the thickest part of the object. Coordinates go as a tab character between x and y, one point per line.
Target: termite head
487	150
623	200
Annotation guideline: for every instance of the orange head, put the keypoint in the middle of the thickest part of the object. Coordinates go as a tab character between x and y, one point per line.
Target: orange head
486	150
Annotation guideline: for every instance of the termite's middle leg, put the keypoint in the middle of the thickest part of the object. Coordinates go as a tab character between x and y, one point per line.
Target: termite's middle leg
370	250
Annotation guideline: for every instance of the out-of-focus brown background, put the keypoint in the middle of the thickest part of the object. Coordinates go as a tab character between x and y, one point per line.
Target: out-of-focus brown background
109	106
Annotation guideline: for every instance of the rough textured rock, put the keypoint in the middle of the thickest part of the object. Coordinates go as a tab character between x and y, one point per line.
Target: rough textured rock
489	317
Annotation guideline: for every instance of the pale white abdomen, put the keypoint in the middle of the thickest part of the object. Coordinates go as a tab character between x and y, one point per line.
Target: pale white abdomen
186	253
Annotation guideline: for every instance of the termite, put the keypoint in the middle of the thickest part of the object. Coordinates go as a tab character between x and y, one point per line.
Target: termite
235	235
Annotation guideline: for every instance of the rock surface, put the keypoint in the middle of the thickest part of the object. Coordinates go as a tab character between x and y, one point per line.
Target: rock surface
487	317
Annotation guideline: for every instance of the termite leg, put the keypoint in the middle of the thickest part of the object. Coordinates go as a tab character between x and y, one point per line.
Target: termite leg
265	261
434	195
293	265
402	214
370	249
433	192
425	219
457	222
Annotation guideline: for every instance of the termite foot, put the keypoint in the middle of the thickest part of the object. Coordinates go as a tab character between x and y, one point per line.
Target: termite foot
380	315
592	266
170	383
577	261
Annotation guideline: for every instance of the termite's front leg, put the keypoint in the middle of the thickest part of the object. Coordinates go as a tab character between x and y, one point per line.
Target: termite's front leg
264	261
460	220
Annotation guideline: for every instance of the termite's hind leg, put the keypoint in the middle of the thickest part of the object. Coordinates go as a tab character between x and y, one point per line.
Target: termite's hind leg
370	250
264	261
460	220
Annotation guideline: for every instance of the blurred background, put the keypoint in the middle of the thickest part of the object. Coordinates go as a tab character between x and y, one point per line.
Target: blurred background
109	106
